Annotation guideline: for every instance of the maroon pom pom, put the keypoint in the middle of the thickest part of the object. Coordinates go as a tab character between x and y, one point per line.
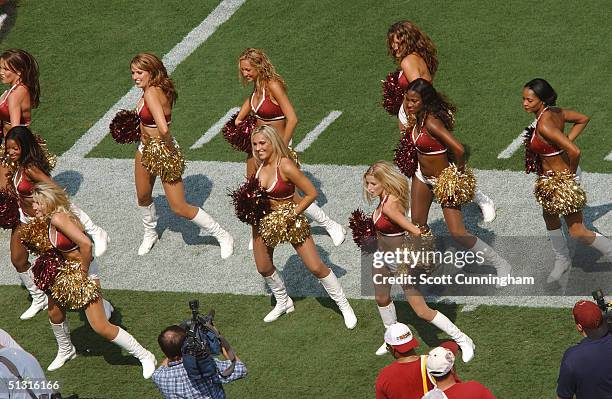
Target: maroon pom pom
240	136
363	228
533	162
393	94
9	210
250	201
125	127
406	155
45	269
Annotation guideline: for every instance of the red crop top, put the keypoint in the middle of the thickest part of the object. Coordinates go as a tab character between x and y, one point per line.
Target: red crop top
280	190
425	143
402	80
23	185
538	145
383	225
5	115
266	110
60	241
147	118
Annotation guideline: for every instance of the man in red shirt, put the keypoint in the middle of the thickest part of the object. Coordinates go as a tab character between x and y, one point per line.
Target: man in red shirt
406	377
441	366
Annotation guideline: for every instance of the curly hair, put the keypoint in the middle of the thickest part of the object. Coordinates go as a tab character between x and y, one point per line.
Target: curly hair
31	152
412	40
392	181
53	199
434	103
262	64
159	76
23	63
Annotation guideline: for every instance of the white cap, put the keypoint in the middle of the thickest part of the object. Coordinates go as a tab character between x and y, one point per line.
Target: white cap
400	337
440	361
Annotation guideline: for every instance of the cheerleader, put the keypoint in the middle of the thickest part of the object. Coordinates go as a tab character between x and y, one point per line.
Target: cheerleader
280	176
155	111
271	106
433	139
555	157
416	55
67	237
383	181
32	167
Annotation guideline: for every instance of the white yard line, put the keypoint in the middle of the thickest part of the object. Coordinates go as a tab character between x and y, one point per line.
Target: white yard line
214	129
608	157
314	133
512	147
178	54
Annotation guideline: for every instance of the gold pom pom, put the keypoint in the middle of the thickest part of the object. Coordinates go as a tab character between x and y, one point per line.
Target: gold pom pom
283	225
5	161
294	156
422	244
34	235
454	187
72	289
164	161
50	157
559	193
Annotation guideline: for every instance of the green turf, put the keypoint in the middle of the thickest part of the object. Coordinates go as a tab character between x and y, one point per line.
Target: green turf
332	58
308	354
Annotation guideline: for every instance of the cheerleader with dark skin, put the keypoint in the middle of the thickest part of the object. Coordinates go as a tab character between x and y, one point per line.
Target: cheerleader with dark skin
155	111
558	152
32	167
67	236
281	176
433	139
416	54
271	106
383	181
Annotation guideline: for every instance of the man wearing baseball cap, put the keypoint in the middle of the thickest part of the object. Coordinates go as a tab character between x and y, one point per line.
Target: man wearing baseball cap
406	377
586	368
441	366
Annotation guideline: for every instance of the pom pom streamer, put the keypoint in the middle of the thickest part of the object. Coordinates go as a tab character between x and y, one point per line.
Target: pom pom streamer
533	162
559	193
422	244
125	127
164	161
72	289
239	136
283	225
406	155
454	187
35	237
393	94
250	201
9	210
45	269
50	157
363	228
4	159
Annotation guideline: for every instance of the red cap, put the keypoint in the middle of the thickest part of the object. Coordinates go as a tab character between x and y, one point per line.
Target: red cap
451	346
587	314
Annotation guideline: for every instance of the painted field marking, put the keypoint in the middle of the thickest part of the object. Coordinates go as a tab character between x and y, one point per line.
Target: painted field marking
314	133
608	157
179	53
511	149
214	129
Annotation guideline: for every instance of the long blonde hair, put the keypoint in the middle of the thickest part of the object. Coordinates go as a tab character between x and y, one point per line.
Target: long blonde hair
53	199
278	145
159	75
393	182
262	64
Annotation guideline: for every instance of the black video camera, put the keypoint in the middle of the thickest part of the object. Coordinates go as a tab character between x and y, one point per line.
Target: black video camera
202	344
606	307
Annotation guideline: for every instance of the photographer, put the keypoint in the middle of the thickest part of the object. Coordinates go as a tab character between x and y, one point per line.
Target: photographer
171	377
586	370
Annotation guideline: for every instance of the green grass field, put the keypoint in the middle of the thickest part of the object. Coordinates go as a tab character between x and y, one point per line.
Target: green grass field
333	58
308	354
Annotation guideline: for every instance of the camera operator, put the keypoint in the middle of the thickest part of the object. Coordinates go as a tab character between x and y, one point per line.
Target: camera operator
171	377
586	369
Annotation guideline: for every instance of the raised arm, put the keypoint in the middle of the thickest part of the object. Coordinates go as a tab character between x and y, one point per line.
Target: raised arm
280	95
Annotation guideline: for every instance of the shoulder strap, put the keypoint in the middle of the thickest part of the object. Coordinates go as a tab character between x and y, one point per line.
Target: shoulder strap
13	369
424	373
